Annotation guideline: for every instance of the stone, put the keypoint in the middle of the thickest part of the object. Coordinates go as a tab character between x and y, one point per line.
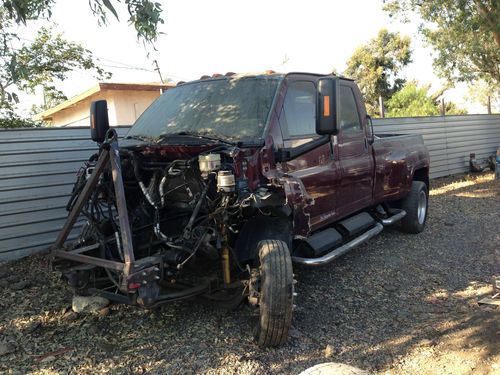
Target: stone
89	304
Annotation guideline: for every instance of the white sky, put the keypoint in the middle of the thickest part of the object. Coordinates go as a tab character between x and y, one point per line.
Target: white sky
206	37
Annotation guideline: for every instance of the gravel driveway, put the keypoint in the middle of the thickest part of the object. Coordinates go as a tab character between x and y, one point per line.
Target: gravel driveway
403	303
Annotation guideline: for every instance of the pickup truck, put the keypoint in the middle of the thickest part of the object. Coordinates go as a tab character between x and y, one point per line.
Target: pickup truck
225	183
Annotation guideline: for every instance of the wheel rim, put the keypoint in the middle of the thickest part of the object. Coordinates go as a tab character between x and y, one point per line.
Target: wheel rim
422	207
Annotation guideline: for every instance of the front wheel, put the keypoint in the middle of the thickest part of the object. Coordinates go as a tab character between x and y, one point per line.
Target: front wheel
415	204
276	293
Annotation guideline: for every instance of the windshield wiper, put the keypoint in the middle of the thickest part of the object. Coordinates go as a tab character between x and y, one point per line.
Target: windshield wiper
197	135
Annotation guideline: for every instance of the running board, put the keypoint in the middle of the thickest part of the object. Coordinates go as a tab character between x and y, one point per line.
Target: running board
334	254
396	216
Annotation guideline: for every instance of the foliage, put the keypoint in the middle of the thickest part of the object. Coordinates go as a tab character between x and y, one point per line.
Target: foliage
9	119
464	33
145	15
47	59
413	101
376	65
480	91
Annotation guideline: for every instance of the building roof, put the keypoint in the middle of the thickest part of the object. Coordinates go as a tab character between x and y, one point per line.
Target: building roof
102	86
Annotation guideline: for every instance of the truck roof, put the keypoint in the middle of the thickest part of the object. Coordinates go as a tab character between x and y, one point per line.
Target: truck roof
268	73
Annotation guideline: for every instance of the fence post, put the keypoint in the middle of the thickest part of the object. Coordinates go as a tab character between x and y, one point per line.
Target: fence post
489	105
442	108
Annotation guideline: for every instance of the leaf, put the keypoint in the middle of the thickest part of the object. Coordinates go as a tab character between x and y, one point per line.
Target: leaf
111	8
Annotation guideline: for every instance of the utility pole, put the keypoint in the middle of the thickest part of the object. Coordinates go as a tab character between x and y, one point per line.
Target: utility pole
443	108
489	105
381	106
157	68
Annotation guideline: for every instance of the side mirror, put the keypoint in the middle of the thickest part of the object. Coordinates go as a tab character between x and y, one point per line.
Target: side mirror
328	99
99	122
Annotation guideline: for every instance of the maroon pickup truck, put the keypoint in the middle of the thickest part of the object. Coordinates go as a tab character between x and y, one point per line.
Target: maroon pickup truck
223	183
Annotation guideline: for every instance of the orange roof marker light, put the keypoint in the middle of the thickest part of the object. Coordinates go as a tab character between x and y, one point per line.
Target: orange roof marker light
215	75
229	74
204	77
269	71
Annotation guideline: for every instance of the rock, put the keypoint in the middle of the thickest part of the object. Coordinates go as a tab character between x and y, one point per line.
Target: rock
329	351
89	304
4	283
23	284
6	348
331	368
295	333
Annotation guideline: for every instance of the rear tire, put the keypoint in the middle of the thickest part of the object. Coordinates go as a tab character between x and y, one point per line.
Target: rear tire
416	206
276	293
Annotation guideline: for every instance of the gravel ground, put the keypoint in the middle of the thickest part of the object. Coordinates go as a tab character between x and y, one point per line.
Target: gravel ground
401	304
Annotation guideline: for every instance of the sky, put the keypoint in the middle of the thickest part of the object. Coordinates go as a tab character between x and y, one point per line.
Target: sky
206	37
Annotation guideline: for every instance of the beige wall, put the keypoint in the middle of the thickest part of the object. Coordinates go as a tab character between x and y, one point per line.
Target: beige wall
124	107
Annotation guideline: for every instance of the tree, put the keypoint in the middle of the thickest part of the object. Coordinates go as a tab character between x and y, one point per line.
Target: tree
464	33
49	58
145	15
413	101
376	65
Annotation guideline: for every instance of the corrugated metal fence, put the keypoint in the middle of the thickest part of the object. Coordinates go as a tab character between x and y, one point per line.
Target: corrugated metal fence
38	166
449	139
37	172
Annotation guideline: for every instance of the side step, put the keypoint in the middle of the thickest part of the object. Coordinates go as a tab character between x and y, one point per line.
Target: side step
327	258
396	216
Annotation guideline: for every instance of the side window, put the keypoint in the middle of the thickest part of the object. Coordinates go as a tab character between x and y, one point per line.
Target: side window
298	117
349	117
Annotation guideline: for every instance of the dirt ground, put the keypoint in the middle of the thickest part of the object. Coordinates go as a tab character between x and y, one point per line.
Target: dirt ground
401	304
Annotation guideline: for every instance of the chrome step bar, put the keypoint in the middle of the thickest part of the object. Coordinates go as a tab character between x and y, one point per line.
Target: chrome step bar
396	216
339	251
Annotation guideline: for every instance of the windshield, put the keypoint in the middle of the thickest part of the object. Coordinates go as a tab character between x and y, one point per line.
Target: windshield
232	108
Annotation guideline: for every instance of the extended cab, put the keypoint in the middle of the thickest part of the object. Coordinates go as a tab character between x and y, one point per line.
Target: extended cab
226	181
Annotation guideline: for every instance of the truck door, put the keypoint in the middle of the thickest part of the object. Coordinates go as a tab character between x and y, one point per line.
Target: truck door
356	162
317	169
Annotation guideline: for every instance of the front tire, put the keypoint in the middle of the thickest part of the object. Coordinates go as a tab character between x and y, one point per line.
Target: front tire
416	206
276	293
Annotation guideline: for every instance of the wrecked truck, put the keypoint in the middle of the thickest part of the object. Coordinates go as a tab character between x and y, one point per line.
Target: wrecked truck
224	184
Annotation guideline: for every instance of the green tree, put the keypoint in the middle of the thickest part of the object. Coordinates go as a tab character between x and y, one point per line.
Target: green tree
464	33
376	67
413	100
25	66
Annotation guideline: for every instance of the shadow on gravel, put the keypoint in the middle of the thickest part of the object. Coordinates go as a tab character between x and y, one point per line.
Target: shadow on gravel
377	308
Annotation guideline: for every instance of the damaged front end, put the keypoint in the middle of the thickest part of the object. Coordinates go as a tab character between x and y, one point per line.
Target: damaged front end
163	226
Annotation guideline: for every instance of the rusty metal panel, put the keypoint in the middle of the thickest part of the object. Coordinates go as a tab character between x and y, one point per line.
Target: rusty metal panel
37	172
450	139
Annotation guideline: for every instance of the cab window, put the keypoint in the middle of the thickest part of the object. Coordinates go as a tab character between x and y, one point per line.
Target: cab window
298	118
349	116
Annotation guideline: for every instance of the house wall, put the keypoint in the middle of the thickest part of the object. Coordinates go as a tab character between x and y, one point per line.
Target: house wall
124	107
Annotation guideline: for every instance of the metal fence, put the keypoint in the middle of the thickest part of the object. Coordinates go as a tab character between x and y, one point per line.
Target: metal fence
38	166
449	139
